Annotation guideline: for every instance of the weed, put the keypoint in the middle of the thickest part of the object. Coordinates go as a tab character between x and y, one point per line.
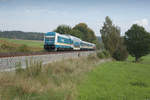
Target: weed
54	81
139	83
33	68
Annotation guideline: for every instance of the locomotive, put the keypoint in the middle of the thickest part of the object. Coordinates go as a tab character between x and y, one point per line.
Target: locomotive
54	41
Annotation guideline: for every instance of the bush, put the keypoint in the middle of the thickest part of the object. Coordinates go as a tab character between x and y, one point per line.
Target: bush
6	46
103	54
23	48
100	55
120	54
106	53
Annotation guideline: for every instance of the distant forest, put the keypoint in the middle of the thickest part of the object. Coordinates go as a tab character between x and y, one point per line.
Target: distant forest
22	35
26	35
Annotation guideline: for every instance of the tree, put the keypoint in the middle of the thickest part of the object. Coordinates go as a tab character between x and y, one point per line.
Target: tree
137	41
112	40
80	30
121	52
87	34
76	33
110	35
63	29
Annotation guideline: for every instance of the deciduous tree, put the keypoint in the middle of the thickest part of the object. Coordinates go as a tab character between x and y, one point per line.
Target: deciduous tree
110	35
87	34
63	29
112	40
137	40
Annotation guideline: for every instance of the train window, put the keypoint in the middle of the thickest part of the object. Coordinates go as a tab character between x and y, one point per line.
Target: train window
49	39
64	40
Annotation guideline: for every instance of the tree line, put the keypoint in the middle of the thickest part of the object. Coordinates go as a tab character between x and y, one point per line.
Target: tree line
22	35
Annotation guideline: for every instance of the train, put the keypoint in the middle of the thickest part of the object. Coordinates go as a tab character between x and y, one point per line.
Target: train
55	41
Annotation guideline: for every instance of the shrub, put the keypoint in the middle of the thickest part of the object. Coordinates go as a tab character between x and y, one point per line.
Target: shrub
24	48
120	54
6	46
103	54
100	55
106	53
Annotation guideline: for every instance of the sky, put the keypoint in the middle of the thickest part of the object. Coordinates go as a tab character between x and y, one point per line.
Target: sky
46	15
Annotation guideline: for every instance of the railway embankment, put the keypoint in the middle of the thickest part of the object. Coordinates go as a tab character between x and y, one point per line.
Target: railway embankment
10	63
52	81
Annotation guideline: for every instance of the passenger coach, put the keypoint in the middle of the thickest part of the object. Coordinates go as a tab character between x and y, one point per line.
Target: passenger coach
55	41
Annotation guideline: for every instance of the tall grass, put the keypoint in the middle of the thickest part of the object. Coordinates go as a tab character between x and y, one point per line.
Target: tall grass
33	68
54	81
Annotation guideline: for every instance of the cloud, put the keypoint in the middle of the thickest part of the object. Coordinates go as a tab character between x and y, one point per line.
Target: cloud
142	22
4	0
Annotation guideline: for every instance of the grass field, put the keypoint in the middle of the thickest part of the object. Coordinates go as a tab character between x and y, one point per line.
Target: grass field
85	78
117	81
15	45
32	43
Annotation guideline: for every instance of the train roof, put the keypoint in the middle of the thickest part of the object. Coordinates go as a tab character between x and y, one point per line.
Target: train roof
88	43
72	37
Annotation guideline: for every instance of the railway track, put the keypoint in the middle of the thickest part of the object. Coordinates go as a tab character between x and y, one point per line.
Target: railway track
16	54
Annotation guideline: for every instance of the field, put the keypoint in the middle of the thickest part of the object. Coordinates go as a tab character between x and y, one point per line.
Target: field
32	43
117	81
85	78
15	45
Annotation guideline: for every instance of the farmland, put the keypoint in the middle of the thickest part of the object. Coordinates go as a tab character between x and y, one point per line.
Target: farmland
32	43
16	45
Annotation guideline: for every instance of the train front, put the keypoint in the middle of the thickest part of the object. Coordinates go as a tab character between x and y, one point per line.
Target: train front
49	41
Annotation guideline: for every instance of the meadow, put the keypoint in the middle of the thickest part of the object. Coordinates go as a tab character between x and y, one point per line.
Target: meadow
31	43
84	78
117	81
16	45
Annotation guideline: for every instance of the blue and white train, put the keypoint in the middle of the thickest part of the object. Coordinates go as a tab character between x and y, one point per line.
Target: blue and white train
55	41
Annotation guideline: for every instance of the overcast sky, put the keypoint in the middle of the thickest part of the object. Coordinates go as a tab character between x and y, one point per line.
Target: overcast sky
46	15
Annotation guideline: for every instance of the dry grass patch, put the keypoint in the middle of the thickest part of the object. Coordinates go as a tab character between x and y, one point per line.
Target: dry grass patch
54	81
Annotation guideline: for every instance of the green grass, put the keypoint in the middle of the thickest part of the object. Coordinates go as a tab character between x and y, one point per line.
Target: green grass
31	43
15	45
145	60
85	78
117	81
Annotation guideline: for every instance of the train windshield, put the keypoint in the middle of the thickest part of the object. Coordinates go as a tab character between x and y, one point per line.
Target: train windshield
49	39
